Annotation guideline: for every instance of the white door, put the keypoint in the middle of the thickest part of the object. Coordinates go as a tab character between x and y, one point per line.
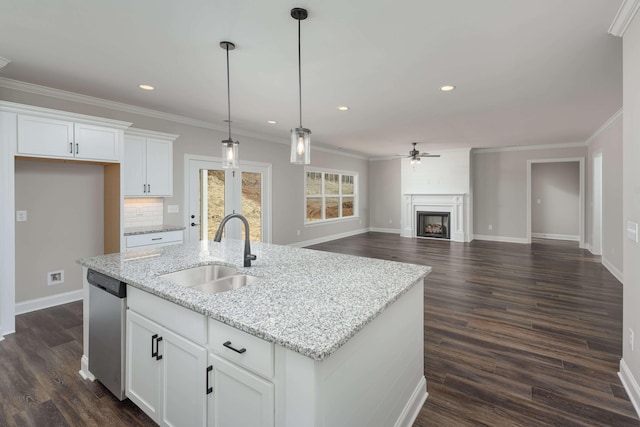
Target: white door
238	397
245	190
184	391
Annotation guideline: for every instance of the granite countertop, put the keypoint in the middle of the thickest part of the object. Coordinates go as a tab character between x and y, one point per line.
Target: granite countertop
309	301
130	231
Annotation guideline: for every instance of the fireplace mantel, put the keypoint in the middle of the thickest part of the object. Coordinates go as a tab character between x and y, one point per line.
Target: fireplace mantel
458	205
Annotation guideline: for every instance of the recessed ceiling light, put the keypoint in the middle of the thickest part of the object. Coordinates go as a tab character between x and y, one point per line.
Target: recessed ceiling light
447	88
343	108
272	122
146	87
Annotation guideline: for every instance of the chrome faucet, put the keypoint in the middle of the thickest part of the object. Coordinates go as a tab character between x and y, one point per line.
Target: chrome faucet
248	256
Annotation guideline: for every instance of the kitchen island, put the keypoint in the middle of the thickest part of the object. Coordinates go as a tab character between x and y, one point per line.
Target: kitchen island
336	339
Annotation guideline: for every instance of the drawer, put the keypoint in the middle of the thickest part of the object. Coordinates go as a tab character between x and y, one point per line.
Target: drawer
257	355
153	239
178	319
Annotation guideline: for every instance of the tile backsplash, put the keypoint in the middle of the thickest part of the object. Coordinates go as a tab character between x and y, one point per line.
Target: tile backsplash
143	212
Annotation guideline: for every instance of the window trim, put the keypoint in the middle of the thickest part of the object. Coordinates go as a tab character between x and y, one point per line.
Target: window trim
323	196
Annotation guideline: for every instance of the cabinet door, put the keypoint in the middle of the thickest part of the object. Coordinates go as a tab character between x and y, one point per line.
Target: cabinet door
45	137
239	397
143	369
184	391
159	167
96	143
134	166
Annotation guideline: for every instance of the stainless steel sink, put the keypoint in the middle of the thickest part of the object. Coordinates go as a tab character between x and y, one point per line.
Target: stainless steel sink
226	283
196	276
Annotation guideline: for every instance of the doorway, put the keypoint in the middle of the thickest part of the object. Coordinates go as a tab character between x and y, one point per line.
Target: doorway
581	195
596	241
212	192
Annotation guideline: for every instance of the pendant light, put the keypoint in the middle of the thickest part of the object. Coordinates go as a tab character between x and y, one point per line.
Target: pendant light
300	137
229	146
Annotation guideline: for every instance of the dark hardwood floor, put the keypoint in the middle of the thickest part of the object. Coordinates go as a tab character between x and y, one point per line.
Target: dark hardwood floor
515	335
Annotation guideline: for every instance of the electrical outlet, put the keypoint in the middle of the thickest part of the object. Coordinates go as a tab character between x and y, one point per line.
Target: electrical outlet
631	338
298	232
490	227
55	277
390	221
21	216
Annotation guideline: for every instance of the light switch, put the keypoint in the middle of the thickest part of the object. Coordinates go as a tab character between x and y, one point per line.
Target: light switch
538	201
173	208
21	216
632	231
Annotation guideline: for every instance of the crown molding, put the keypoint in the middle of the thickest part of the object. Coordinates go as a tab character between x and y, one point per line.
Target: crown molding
127	108
604	127
625	15
3	62
151	134
57	114
528	147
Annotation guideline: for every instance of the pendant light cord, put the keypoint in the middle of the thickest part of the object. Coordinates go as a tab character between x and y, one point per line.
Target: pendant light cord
299	73
228	93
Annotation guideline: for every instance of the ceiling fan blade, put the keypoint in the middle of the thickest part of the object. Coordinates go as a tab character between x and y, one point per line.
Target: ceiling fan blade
429	155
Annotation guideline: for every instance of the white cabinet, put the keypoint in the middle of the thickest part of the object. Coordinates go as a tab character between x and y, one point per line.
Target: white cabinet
238	397
166	372
148	164
48	137
152	240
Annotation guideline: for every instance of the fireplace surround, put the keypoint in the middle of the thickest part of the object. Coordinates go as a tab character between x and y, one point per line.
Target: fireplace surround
458	206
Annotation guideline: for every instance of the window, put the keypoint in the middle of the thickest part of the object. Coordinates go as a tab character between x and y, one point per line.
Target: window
330	195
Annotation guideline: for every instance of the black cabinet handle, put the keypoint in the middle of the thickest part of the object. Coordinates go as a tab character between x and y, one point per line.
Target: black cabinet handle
156	339
71	147
77	148
209	389
153	340
157	238
158	356
228	345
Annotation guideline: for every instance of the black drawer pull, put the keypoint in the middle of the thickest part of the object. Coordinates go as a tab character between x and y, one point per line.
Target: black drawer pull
228	345
158	356
157	238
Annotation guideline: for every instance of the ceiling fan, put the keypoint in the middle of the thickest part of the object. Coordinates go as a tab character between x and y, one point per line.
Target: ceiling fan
415	155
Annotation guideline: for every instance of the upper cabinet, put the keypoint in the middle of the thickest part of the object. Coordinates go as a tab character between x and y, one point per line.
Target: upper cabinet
54	138
148	164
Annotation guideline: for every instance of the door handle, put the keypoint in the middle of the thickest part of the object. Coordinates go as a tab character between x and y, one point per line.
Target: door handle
155	338
209	388
193	224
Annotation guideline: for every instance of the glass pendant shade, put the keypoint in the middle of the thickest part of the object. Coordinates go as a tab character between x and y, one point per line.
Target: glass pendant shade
230	154
301	146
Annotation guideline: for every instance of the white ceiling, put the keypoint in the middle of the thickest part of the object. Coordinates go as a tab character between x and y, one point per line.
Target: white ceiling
527	72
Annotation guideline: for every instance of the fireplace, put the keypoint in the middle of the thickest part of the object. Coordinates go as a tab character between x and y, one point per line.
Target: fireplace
433	224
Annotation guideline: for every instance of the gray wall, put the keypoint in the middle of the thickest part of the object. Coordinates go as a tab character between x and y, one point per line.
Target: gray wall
500	188
555	199
631	194
64	204
288	207
385	198
609	143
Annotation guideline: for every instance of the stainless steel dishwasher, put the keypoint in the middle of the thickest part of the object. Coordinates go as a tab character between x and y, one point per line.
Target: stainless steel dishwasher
107	311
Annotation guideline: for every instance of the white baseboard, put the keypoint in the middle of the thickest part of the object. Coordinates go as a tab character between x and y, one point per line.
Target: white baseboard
630	385
613	270
502	239
46	302
84	369
569	237
385	230
328	238
414	405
